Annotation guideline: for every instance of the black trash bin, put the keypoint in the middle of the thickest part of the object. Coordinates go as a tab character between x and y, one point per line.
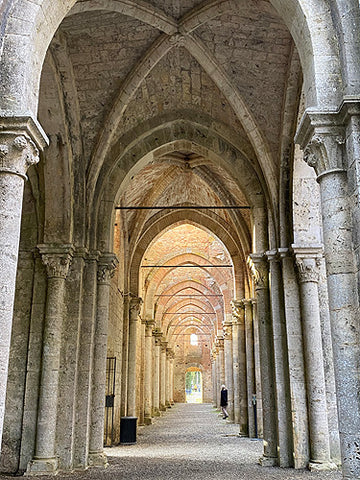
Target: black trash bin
128	430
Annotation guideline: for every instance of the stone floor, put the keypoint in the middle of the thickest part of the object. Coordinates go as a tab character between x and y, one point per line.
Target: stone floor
191	441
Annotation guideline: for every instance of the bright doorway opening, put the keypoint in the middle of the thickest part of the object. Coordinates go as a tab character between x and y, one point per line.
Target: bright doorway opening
193	385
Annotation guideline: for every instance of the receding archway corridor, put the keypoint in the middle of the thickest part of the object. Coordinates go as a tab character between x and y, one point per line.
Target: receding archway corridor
179	212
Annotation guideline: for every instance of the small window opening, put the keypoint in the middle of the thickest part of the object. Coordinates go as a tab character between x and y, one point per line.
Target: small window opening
193	339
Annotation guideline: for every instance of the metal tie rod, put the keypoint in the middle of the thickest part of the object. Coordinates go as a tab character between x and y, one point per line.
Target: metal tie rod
186	266
190	295
185	207
189	313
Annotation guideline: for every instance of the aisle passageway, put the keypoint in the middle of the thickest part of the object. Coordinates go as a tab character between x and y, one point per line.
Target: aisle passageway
191	442
179	210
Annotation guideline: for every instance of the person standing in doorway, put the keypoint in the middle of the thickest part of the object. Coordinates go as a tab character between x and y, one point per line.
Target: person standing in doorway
224	401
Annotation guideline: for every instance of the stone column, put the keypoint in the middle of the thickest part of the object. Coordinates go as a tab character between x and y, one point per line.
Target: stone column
168	378
163	376
308	262
156	384
83	389
228	367
148	371
260	271
57	260
217	373
250	366
239	315
106	269
283	397
295	361
325	152
220	342
172	356
134	310
235	361
259	409
19	143
213	377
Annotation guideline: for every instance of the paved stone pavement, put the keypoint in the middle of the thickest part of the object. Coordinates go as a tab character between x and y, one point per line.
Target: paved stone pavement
191	441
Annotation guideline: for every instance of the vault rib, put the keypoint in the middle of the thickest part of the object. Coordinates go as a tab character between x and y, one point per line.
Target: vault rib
139	10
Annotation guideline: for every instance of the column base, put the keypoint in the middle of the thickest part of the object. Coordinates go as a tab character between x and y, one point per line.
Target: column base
162	408
156	412
97	459
322	467
268	461
42	466
148	421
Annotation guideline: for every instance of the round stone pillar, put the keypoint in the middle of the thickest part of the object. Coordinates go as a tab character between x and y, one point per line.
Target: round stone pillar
57	259
134	310
260	271
228	367
307	261
325	152
19	143
156	377
250	366
148	373
167	374
171	376
221	357
235	360
213	377
163	376
239	315
106	268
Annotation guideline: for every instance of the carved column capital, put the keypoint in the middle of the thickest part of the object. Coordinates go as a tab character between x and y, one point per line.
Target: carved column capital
227	329
247	302
237	307
308	261
259	269
21	138
220	343
164	344
149	325
134	307
107	264
57	259
321	136
17	153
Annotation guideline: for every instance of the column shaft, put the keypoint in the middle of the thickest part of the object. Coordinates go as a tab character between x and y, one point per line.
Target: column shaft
261	277
344	314
57	260
133	336
315	377
17	153
106	267
228	367
157	361
283	402
235	359
250	367
163	376
148	371
83	395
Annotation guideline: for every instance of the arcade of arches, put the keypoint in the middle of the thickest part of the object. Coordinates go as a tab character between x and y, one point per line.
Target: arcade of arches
240	119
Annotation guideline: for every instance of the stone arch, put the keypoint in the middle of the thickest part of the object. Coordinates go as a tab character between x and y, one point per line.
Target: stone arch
193	217
111	186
